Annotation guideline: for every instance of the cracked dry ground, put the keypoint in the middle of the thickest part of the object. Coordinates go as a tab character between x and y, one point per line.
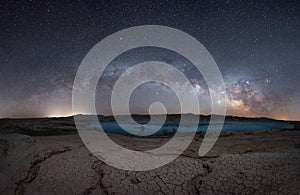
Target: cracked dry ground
253	163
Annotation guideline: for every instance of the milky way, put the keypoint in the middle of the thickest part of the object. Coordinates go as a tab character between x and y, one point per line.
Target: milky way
255	44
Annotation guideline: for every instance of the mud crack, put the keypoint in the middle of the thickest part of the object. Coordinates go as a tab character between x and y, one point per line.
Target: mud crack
34	168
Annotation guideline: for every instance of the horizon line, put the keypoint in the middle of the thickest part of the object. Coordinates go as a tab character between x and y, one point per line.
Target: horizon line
66	116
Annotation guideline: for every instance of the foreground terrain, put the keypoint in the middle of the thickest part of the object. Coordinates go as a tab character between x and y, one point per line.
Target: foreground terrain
257	162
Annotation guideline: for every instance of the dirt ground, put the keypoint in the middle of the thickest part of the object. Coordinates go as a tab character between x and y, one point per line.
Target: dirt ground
260	162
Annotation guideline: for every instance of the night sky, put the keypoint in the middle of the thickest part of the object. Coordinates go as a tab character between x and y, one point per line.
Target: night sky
255	44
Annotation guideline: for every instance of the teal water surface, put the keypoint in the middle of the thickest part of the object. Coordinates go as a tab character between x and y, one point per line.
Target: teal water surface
170	126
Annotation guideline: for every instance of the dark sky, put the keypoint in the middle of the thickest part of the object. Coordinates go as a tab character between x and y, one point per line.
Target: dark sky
255	44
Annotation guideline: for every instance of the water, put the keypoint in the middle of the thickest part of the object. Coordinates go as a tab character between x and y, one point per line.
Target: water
169	126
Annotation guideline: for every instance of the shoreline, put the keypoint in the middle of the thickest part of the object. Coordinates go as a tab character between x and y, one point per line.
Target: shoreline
66	126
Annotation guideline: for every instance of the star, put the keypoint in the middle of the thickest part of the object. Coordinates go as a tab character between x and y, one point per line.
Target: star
44	43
